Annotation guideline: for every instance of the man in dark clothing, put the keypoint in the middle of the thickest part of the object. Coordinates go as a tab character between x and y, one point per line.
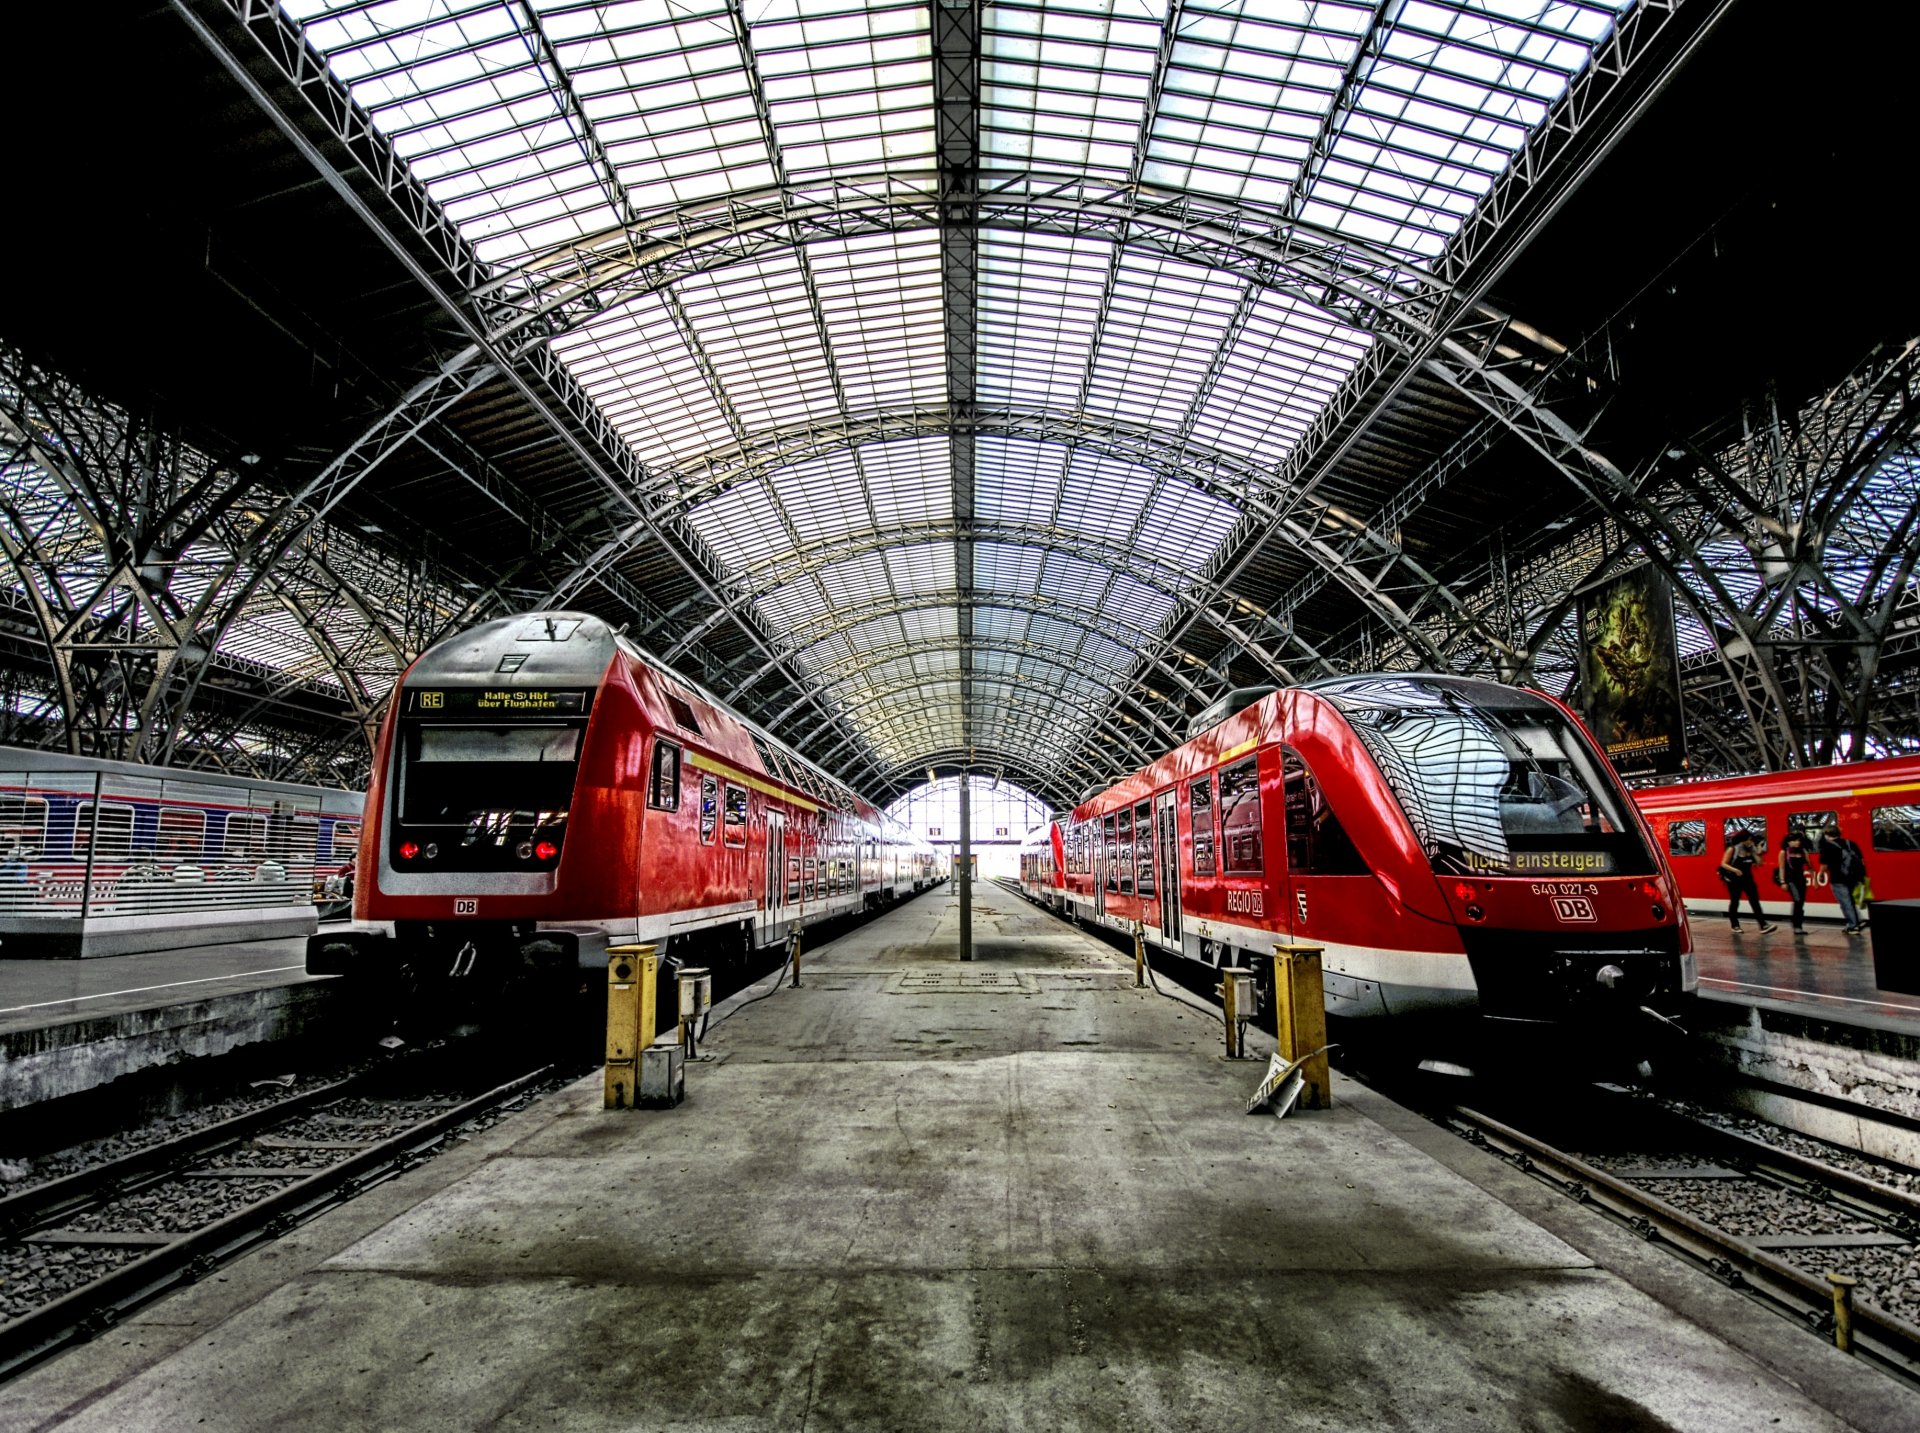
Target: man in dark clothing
1736	869
1792	873
1845	868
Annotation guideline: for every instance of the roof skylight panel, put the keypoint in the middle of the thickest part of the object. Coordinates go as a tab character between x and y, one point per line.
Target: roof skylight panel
1063	90
1165	322
743	525
1017	482
849	88
1481	75
756	325
1185	526
1003	568
1038	306
880	303
1104	497
924	567
1247	88
794	604
825	497
909	481
520	189
1282	369
634	363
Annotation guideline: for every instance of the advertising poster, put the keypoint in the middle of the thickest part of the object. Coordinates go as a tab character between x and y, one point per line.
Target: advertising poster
1630	672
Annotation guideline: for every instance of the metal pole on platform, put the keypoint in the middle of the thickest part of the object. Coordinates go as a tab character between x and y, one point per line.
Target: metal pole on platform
965	874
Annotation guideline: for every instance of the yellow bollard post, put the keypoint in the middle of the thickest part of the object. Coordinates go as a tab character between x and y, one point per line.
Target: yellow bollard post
1842	1310
1139	956
631	972
1300	1019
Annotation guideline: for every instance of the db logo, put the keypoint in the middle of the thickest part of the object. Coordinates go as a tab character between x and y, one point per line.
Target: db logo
470	906
1573	908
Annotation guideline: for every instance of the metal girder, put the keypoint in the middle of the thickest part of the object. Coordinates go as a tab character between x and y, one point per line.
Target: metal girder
1793	553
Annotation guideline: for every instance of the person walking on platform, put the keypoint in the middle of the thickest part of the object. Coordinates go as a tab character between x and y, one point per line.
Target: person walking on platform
1736	869
1846	868
1792	873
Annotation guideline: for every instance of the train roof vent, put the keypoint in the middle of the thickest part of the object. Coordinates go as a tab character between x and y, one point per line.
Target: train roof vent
1238	699
547	629
682	713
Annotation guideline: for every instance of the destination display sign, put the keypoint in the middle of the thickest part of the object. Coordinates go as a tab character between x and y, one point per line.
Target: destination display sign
1543	863
497	701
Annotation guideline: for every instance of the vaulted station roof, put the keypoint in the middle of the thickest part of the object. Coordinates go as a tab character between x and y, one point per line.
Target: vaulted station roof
991	383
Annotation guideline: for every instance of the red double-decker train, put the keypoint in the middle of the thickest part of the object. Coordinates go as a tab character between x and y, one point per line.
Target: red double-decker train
1455	846
1874	804
542	789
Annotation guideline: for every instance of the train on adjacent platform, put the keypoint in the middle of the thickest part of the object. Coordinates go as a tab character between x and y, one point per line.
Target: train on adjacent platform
542	788
1874	804
1454	847
104	857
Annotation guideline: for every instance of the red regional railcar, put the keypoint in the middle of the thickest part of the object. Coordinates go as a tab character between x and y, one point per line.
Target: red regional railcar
1456	846
543	789
1876	804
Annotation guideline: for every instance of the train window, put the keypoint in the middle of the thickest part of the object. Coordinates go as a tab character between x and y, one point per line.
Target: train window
112	835
1896	828
1317	844
1200	804
1687	838
1240	818
23	824
497	785
1811	823
245	836
346	840
682	712
1143	839
813	877
1123	850
663	784
301	840
736	814
1497	784
1109	854
709	807
1734	827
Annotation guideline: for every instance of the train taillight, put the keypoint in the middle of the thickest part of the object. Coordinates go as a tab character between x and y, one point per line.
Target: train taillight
409	849
546	850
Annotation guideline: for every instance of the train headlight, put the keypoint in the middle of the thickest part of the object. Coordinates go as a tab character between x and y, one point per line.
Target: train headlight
409	849
1659	911
1474	913
1610	975
546	850
432	850
524	850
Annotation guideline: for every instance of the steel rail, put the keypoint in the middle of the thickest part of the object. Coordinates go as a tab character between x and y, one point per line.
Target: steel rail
90	1309
1888	1341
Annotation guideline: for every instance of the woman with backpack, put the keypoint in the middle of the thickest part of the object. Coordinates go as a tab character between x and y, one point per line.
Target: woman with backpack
1736	869
1846	872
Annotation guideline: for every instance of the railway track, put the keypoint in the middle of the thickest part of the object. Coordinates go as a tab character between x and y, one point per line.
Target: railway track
1778	1224
79	1252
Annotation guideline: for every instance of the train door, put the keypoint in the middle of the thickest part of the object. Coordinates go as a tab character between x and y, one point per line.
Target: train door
775	889
1166	830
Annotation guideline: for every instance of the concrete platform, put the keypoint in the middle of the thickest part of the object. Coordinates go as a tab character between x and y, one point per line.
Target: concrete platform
1820	972
915	1195
70	1026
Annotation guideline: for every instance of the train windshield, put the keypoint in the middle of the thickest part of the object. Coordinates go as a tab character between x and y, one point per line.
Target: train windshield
1499	787
498	783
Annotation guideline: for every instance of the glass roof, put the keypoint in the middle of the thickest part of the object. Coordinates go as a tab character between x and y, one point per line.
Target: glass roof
536	124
